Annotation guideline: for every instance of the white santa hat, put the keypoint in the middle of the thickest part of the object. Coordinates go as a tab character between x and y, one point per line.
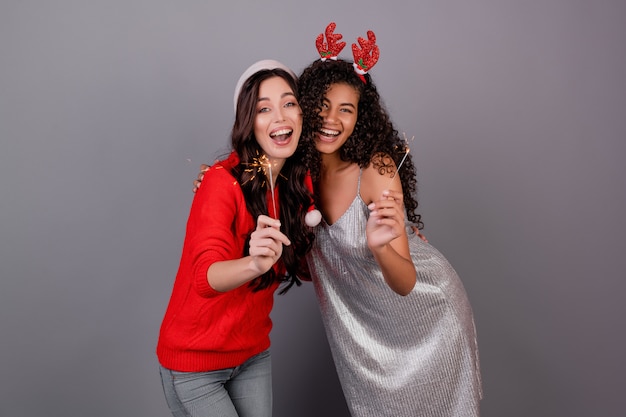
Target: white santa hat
264	64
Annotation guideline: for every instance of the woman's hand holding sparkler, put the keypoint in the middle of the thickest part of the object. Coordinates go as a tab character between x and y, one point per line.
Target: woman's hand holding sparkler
387	240
266	244
266	247
386	221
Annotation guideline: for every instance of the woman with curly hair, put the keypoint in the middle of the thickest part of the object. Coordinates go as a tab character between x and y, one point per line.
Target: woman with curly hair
397	317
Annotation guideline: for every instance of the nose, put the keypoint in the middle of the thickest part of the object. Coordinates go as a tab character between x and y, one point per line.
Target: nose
328	115
279	115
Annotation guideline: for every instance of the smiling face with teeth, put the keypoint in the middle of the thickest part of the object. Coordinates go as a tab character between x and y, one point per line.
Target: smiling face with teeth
339	113
278	120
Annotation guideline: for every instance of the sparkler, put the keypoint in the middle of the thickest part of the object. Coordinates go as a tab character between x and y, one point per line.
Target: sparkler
263	164
267	167
406	153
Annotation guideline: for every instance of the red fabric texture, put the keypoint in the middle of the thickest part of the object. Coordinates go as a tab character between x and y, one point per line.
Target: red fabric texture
204	329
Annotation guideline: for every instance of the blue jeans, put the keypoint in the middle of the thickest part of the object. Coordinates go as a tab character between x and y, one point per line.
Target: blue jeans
242	391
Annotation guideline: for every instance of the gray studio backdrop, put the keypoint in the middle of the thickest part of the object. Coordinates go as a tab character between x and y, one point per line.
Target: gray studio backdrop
107	109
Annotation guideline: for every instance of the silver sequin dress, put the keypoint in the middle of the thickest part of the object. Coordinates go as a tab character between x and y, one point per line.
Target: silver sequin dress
411	356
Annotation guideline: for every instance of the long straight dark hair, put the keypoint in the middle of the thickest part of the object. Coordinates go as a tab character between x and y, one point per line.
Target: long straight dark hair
294	196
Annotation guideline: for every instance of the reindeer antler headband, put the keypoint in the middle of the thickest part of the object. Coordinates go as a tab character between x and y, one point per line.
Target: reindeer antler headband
331	48
365	57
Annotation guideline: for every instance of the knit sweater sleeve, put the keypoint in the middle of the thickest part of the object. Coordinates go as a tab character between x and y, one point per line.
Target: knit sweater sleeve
218	225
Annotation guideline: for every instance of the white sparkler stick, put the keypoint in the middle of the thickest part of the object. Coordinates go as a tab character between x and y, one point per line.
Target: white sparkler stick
402	161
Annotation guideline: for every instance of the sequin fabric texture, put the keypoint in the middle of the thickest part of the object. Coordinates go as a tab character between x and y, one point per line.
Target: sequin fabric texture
395	356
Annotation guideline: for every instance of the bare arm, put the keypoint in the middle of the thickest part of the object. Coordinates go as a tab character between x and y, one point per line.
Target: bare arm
386	233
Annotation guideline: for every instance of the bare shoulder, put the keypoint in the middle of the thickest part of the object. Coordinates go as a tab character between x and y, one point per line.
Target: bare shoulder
378	176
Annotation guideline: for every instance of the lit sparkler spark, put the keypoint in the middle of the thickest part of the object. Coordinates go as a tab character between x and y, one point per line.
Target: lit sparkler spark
263	164
267	167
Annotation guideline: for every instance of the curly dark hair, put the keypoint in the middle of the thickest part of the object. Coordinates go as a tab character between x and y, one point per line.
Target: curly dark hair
374	139
294	196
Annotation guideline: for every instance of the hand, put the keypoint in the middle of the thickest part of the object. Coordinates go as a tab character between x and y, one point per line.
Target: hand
196	183
266	243
386	221
417	232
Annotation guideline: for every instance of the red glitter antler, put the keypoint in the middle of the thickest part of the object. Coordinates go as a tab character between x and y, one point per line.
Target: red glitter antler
331	48
366	57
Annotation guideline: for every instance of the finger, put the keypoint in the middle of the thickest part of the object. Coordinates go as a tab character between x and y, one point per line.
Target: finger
418	233
203	168
265	238
268	233
263	251
386	206
387	218
390	226
266	247
275	235
392	194
264	221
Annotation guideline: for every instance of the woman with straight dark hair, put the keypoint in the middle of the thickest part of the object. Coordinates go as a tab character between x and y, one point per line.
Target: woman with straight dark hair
246	235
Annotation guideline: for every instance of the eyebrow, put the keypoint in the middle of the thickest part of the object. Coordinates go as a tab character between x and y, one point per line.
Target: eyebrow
283	95
342	104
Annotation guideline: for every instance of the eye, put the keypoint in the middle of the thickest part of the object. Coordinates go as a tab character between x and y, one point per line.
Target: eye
263	110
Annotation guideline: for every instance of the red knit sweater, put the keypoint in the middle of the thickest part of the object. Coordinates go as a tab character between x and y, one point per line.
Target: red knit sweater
204	329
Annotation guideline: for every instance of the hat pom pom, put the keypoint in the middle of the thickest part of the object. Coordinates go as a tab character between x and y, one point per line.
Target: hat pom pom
313	218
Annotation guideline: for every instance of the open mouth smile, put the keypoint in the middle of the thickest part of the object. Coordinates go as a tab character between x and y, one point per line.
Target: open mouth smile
329	132
281	135
328	135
